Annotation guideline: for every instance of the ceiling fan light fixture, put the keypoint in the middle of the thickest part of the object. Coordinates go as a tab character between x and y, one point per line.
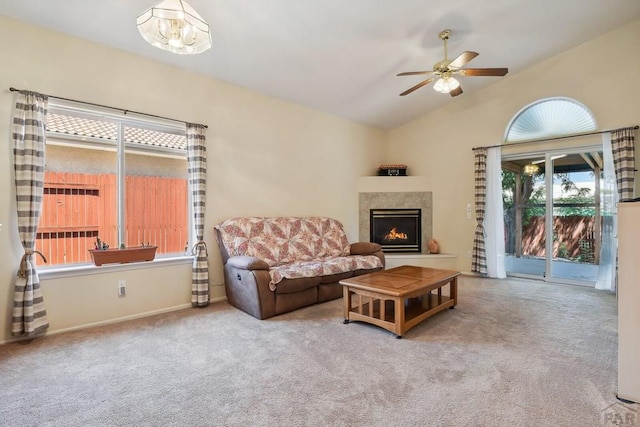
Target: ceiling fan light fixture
173	25
446	84
530	169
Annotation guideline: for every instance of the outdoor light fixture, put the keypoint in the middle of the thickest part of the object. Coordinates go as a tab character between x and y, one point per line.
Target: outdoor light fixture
173	25
446	84
530	169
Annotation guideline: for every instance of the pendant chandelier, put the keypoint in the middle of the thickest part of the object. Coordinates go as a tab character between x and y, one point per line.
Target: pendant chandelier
530	169
173	25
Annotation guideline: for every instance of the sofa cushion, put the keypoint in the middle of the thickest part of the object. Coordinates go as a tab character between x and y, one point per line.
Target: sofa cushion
322	267
288	286
283	240
334	278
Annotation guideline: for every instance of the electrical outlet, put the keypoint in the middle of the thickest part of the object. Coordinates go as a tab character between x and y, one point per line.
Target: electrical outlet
468	215
468	254
122	288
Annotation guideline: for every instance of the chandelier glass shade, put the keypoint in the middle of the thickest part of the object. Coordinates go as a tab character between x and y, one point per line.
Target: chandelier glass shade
446	84
530	169
173	25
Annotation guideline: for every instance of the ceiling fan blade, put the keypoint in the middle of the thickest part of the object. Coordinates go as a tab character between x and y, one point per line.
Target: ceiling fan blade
484	71
418	86
414	73
462	59
457	91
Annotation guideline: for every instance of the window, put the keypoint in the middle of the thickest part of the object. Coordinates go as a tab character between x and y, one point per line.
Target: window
115	177
548	118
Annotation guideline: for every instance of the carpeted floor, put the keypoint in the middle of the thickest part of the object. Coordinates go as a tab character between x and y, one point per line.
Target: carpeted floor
513	353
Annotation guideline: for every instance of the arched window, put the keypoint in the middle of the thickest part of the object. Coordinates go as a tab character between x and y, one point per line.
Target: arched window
548	118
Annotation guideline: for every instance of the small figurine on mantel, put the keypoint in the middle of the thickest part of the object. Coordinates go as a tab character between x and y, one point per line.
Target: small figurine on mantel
434	247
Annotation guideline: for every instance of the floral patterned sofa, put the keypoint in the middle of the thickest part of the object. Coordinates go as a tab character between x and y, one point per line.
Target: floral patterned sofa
275	265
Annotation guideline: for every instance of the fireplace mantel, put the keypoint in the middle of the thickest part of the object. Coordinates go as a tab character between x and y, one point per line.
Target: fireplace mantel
445	261
373	184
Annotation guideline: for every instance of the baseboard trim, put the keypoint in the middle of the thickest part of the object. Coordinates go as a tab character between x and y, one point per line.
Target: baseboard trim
111	321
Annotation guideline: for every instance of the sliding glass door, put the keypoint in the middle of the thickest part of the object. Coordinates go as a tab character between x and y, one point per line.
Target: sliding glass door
576	218
524	195
552	215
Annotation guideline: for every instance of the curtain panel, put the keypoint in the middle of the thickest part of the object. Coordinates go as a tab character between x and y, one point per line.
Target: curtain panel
197	175
494	216
29	316
478	256
608	202
623	150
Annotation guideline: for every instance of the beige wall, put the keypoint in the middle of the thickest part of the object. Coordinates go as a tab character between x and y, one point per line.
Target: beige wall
602	74
265	157
270	157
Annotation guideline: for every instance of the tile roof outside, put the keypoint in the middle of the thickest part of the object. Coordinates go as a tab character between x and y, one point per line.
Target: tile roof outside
76	126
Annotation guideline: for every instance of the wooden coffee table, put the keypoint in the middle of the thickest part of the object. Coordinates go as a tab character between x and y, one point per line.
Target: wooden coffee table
399	298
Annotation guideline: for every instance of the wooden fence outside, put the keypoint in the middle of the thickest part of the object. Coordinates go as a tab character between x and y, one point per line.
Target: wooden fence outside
78	208
574	238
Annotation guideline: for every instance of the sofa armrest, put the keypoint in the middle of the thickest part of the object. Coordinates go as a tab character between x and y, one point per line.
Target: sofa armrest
365	248
368	248
247	288
248	263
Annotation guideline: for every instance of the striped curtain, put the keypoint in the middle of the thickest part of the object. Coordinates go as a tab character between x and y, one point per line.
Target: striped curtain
622	147
29	316
479	258
197	172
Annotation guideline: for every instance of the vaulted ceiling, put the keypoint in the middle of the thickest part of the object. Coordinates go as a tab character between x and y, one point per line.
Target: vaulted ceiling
342	57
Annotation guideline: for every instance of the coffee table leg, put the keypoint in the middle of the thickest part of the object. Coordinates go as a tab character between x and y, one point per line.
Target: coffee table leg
453	285
346	303
399	316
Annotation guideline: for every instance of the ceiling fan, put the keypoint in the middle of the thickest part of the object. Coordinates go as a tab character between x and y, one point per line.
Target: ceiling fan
445	70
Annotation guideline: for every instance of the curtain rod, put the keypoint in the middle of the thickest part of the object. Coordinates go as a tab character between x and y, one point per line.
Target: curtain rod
12	89
532	141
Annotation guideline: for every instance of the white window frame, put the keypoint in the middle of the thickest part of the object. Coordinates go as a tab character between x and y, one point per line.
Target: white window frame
122	120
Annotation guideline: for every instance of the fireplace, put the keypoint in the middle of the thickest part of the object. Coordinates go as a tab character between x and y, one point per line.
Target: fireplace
396	230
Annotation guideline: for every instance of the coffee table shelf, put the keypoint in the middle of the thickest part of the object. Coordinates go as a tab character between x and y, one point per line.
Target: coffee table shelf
413	308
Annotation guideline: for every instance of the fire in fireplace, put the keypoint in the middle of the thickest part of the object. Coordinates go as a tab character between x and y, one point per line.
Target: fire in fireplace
396	230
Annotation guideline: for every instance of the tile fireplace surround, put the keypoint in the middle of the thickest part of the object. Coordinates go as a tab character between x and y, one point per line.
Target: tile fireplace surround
396	200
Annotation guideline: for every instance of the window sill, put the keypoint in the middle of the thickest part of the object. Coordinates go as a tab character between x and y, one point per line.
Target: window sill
90	269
